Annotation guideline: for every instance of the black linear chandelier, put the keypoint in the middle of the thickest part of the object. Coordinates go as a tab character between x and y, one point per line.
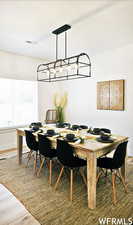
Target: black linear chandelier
69	68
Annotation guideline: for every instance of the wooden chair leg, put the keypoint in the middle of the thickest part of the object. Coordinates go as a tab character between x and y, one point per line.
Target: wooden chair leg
29	157
42	163
61	172
113	188
50	172
98	176
48	166
83	176
106	176
71	184
40	158
123	181
35	163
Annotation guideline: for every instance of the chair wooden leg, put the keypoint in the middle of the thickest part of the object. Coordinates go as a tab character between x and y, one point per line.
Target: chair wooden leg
61	172
50	172
106	176
40	158
71	184
83	176
123	181
98	176
29	157
113	188
42	163
47	164
35	164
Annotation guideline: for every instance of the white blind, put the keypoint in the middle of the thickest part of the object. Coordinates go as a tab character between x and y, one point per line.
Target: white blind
18	102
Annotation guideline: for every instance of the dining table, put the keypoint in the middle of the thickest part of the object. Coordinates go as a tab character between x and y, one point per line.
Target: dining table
90	150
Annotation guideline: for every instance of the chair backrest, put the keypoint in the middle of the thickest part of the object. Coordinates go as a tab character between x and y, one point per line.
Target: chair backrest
119	155
31	140
65	152
51	116
44	145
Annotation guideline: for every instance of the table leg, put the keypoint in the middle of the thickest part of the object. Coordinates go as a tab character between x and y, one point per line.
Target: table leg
19	148
91	180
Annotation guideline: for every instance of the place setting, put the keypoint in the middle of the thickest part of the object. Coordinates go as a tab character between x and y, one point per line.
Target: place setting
105	137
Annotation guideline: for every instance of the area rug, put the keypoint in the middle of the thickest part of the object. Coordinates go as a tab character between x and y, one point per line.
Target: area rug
12	211
51	207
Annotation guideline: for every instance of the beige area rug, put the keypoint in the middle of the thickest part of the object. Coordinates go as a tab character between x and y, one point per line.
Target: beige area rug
51	207
12	212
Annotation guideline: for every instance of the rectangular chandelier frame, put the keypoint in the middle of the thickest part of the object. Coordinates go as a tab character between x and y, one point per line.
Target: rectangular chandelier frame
69	68
45	72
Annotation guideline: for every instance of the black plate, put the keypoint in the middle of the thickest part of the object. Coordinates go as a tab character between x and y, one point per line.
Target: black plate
75	139
110	140
92	132
51	135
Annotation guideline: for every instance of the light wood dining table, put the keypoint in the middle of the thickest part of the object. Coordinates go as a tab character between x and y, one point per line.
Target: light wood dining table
91	149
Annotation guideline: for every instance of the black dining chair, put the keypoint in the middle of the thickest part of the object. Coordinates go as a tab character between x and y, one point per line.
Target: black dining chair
33	146
68	160
114	164
46	150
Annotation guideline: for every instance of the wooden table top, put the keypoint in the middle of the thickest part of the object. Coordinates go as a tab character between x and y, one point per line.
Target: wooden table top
90	142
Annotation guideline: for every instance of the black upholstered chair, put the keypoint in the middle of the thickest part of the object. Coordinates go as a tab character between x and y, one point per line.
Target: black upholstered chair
33	146
47	152
114	164
67	159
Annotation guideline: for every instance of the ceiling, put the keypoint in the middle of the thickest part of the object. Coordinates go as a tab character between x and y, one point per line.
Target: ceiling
97	25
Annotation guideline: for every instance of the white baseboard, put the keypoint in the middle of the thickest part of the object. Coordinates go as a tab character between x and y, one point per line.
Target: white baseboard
5	147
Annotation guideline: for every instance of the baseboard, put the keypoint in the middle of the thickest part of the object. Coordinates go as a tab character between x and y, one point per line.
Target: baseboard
10	150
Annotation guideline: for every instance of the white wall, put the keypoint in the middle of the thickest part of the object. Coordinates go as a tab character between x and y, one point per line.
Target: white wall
15	67
46	92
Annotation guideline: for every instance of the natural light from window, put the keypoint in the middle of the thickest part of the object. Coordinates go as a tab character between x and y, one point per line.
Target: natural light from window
18	102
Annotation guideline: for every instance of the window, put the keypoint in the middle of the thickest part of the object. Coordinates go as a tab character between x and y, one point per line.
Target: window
18	102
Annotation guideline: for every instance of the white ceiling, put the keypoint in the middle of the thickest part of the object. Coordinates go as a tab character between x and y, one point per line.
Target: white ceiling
97	25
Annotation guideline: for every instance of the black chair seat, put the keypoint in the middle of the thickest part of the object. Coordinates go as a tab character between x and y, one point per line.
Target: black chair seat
75	162
106	163
51	154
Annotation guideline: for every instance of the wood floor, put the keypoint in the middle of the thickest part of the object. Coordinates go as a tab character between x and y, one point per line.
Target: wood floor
51	207
12	212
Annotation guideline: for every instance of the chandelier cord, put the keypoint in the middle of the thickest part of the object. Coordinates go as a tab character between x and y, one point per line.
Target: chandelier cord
56	51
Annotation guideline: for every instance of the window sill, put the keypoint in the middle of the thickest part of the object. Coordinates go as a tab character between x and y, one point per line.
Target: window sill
11	128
